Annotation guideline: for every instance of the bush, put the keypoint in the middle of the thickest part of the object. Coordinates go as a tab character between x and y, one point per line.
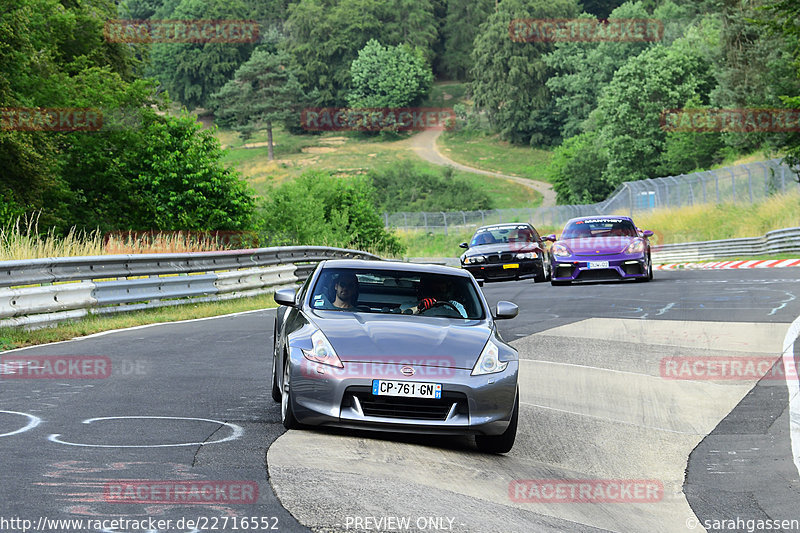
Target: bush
406	187
319	210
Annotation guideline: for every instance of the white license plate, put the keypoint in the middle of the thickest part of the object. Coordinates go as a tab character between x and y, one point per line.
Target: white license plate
408	389
598	264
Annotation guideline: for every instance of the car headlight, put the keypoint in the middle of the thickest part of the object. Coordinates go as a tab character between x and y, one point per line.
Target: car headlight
527	255
636	247
321	351
474	259
489	362
561	250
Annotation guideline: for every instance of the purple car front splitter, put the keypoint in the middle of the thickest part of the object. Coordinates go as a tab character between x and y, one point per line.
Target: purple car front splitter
597	268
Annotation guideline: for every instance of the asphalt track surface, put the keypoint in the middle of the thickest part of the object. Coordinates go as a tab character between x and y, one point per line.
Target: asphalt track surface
190	403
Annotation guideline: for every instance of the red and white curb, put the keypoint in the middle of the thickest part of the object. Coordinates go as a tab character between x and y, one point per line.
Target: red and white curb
766	263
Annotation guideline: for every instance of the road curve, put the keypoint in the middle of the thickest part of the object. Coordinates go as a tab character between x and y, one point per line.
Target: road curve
424	145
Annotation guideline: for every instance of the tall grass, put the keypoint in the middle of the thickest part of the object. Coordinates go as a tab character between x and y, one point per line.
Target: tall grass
722	221
23	240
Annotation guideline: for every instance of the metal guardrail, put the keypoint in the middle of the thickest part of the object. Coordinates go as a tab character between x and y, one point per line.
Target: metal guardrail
747	183
38	292
774	242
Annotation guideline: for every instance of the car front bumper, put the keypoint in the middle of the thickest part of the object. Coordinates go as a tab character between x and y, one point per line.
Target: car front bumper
582	268
521	269
327	396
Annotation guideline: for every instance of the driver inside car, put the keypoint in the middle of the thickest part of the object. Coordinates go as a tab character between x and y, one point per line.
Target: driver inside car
344	294
435	290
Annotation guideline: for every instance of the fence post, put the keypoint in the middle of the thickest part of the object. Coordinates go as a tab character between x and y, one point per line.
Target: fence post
386	220
464	216
405	219
444	215
705	199
483	218
716	183
630	199
733	182
425	219
749	181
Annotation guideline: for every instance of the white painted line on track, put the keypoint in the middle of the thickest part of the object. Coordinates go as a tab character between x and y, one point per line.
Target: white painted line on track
109	332
794	389
33	421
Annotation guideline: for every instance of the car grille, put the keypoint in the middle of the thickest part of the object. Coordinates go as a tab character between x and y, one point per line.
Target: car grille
598	274
499	258
405	408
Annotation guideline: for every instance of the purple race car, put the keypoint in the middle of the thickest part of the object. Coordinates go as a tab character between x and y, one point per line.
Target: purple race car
601	248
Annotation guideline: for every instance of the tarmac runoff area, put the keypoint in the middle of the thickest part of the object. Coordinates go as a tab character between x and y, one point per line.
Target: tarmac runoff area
599	417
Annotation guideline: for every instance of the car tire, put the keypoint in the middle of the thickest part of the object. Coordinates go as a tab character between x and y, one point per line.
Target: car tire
649	275
287	415
541	276
505	441
276	390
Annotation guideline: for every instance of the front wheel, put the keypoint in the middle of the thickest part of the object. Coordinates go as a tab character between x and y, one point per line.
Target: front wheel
287	415
505	441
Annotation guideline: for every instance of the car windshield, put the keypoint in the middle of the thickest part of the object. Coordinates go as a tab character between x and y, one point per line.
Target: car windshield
600	227
395	292
504	234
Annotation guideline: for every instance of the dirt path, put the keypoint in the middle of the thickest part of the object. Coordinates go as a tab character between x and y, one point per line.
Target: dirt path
424	145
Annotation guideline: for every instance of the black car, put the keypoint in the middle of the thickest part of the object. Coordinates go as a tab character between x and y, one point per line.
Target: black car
506	252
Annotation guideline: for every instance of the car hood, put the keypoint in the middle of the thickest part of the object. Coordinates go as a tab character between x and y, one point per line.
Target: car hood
598	245
368	337
503	247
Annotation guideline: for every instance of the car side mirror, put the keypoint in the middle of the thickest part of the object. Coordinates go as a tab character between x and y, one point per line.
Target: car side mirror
286	297
505	310
463	245
551	237
647	233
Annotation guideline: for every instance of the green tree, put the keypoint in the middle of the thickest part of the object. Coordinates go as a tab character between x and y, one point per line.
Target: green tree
389	76
324	37
783	18
264	91
630	107
192	72
576	170
460	28
509	77
317	209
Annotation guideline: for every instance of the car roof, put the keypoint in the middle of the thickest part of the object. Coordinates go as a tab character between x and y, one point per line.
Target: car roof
395	265
618	217
505	225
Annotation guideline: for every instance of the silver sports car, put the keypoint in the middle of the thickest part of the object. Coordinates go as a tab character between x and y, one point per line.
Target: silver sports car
395	346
